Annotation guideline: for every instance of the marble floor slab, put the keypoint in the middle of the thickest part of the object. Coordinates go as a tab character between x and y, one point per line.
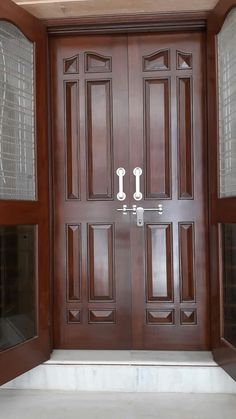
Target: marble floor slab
28	404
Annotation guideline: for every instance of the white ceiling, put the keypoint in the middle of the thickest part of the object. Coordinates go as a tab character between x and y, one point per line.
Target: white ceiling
46	9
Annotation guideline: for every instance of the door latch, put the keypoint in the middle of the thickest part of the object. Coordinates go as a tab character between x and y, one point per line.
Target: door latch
125	209
139	212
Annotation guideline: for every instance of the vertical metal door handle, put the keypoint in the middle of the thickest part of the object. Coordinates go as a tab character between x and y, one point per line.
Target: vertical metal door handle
137	173
120	173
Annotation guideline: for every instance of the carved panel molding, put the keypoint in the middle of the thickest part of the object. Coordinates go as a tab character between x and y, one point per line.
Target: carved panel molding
159	60
96	63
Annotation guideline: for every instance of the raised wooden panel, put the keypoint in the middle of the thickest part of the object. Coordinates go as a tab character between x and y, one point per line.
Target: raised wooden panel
73	316
99	140
184	60
102	316
73	278
186	263
72	139
188	316
160	317
96	63
185	160
159	60
157	138
71	65
159	278
100	261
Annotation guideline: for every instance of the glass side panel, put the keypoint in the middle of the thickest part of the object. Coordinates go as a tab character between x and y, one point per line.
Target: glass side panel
227	106
17	285
17	143
229	281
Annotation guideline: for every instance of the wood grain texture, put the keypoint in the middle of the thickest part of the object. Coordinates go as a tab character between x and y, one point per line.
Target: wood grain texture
101	261
99	320
99	138
73	257
164	288
45	9
185	160
160	317
187	269
71	103
143	310
159	262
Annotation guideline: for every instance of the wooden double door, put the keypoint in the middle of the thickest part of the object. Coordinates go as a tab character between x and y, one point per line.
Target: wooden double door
125	102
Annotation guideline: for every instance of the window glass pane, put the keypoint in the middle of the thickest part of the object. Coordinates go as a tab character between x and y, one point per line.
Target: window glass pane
229	281
17	149
227	106
17	285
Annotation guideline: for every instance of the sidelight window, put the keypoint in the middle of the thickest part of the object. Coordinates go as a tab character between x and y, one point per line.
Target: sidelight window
17	135
227	106
17	284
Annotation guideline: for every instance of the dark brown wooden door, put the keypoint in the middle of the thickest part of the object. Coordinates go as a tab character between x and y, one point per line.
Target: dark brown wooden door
92	240
167	140
135	101
24	212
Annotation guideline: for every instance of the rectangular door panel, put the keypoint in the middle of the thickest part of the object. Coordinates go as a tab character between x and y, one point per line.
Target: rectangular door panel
101	262
184	121
157	138
159	262
186	261
71	105
99	139
73	260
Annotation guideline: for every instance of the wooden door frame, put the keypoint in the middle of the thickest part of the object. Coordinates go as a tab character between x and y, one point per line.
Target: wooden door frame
123	24
128	23
224	353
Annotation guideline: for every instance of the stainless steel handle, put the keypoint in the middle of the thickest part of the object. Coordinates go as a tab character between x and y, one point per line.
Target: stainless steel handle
120	173
137	194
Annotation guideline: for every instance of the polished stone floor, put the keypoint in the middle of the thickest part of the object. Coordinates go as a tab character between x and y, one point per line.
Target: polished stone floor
38	404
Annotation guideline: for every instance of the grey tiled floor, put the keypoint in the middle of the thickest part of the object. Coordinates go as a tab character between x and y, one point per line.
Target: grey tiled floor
36	404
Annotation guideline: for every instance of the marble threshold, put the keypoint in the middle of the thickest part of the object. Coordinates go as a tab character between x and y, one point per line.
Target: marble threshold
127	371
131	357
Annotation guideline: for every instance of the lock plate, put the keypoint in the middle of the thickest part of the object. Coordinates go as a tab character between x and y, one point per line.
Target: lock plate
140	212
